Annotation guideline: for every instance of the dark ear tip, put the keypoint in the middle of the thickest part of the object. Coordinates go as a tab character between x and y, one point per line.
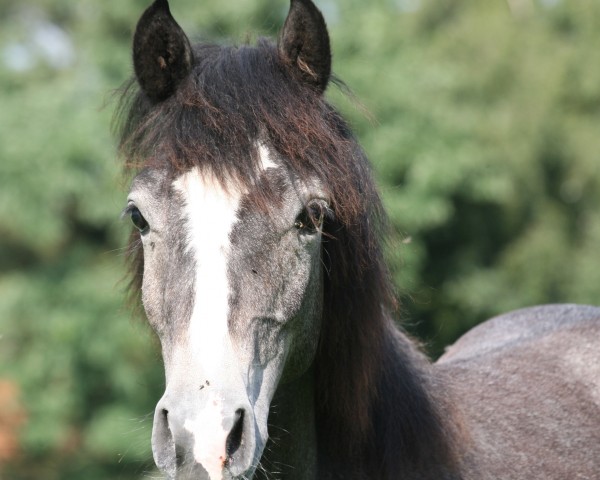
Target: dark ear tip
159	5
159	8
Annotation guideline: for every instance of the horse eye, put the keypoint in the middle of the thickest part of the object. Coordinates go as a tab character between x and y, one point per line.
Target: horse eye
138	220
312	217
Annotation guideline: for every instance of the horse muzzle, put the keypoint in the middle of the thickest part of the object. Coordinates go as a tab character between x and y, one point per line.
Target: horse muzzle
211	436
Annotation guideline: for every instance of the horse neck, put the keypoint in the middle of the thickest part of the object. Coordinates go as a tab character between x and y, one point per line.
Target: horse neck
414	430
292	446
417	428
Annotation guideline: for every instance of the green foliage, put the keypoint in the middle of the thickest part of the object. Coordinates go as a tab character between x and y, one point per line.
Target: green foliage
483	134
486	147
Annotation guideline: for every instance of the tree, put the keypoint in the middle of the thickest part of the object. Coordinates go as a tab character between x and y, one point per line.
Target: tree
485	145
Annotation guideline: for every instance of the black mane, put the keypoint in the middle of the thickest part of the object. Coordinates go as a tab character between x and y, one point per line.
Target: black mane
380	411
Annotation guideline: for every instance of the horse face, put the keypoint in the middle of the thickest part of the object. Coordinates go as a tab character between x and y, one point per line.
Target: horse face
233	289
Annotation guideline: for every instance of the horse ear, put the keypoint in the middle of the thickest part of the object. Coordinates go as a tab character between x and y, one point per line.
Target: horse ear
162	55
304	44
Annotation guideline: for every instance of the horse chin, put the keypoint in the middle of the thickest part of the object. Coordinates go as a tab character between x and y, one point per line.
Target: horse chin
193	470
198	472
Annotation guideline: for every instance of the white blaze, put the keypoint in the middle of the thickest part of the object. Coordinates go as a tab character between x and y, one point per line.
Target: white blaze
211	213
264	154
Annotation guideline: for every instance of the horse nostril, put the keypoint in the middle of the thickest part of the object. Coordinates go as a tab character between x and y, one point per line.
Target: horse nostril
163	443
234	439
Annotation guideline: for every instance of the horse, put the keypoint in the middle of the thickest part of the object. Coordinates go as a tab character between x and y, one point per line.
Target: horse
256	253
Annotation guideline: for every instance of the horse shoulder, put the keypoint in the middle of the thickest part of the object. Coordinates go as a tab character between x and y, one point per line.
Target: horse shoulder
528	383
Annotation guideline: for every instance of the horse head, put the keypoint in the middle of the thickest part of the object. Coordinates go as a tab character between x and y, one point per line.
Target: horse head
229	230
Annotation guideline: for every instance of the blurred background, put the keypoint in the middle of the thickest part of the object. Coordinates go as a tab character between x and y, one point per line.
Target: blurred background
482	120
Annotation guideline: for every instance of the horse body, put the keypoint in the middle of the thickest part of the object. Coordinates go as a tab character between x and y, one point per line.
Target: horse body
528	384
257	254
